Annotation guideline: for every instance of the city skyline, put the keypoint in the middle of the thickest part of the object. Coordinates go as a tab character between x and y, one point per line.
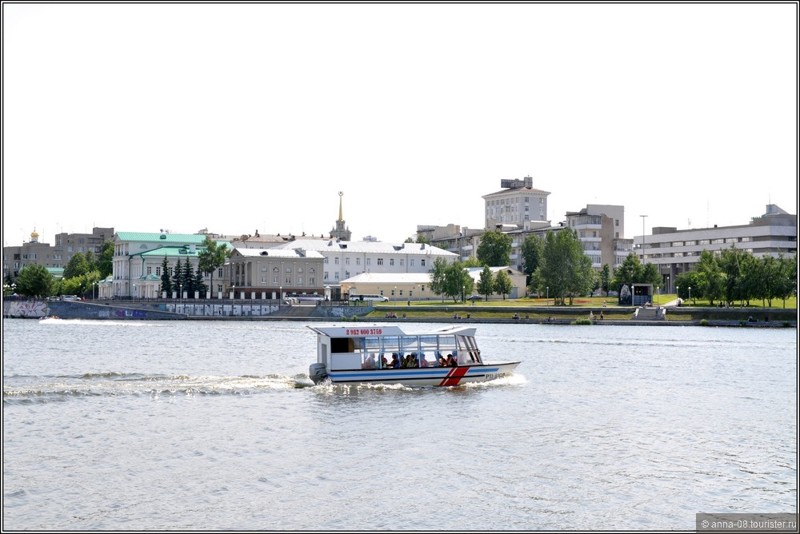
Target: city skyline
239	118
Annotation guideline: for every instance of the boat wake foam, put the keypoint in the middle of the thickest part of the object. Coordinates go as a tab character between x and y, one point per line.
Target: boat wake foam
34	390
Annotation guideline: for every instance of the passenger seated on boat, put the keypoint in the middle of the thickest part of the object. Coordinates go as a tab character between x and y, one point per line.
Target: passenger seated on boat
384	362
441	362
422	361
451	362
410	361
395	364
369	363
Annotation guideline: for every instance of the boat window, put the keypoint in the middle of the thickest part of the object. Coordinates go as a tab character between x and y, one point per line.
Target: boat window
467	350
372	343
341	344
409	343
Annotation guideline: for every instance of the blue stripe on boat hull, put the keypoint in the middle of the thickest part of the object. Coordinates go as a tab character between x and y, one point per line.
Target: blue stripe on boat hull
428	376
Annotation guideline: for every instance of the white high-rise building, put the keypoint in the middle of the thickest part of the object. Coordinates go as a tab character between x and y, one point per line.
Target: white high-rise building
516	204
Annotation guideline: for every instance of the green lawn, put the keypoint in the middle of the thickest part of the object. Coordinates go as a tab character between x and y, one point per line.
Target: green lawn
594	302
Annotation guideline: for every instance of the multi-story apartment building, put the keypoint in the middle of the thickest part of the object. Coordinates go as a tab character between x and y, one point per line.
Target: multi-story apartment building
601	230
516	204
677	251
53	257
452	238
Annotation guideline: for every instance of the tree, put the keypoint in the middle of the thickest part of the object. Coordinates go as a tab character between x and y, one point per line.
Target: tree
211	258
34	281
788	278
503	284
105	262
486	282
711	280
650	275
605	278
629	272
494	249
582	277
438	277
77	266
177	278
199	283
730	262
166	282
8	284
690	279
187	279
532	249
565	270
451	280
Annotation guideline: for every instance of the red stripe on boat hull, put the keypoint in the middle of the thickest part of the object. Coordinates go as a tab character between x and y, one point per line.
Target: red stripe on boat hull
454	376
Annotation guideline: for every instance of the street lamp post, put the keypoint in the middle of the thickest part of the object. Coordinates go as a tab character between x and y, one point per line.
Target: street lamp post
547	295
643	218
690	292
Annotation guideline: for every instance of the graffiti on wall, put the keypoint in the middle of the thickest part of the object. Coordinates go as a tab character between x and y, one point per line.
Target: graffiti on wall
25	308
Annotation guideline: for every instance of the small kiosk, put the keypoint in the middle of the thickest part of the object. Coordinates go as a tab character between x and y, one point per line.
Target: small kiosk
636	294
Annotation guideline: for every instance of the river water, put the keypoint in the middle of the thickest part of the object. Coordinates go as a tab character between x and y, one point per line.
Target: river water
215	425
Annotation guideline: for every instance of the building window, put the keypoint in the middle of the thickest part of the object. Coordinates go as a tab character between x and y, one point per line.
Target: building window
422	263
336	260
325	260
380	261
158	271
391	262
347	261
411	262
358	261
369	261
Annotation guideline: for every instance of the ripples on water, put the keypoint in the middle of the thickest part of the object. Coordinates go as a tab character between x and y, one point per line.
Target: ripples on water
187	425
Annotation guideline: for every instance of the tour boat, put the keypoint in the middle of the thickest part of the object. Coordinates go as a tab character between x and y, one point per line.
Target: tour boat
364	355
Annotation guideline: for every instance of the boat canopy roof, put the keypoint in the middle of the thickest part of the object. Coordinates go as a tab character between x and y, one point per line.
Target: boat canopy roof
384	330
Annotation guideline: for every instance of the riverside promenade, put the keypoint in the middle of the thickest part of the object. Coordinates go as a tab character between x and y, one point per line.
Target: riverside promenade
670	314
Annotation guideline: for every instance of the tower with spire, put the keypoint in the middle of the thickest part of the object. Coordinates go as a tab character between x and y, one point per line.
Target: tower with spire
340	231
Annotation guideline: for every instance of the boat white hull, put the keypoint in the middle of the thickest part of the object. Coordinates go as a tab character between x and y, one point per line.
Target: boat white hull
423	376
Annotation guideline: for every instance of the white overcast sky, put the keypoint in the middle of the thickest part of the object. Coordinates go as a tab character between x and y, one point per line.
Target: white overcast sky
237	117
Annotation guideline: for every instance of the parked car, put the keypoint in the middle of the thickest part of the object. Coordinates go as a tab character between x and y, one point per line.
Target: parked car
473	298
